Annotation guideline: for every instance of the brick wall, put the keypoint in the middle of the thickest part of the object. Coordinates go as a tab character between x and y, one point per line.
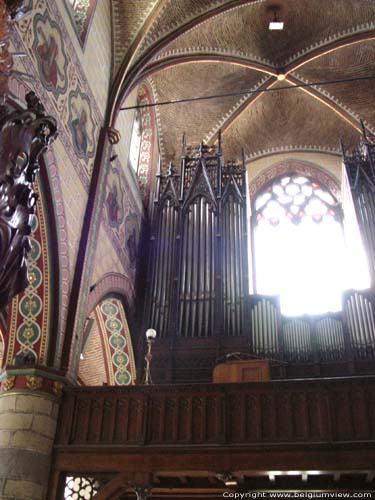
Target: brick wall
92	369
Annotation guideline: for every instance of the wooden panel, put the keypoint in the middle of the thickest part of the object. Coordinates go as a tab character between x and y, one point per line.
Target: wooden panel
242	371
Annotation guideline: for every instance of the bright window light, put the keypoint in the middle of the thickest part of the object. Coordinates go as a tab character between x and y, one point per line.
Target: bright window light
299	248
135	142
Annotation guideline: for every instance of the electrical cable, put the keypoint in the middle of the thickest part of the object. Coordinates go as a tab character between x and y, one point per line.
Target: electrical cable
246	92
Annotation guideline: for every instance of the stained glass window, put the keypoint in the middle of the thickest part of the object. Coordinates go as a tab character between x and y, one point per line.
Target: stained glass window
299	250
295	197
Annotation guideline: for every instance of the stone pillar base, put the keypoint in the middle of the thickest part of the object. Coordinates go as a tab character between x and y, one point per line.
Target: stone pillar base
28	417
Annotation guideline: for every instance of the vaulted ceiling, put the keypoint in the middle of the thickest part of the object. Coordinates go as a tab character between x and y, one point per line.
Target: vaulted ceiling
191	48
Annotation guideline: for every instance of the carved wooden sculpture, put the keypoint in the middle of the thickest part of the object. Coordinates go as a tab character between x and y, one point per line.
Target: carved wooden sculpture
24	136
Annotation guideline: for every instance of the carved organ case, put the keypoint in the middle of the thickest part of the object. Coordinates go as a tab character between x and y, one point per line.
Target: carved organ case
198	266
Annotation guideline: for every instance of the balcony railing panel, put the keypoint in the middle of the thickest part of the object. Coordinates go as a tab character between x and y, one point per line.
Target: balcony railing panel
278	412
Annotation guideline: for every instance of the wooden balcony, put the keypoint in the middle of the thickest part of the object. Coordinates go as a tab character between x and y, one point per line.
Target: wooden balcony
309	433
307	416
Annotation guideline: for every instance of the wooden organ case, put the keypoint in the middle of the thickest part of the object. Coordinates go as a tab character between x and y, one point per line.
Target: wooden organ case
198	277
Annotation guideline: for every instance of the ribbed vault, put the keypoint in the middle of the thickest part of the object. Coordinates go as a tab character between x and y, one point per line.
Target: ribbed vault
194	48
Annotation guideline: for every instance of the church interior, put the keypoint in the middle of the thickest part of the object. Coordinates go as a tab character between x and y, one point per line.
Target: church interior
187	249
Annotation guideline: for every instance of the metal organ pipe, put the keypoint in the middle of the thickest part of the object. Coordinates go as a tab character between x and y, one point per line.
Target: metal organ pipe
163	268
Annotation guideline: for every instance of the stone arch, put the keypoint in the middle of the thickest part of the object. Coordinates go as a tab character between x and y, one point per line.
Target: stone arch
110	283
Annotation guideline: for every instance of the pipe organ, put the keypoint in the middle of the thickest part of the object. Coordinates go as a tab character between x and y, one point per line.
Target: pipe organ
198	299
199	247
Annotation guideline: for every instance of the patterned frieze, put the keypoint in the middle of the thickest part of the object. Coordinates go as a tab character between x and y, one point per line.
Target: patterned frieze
117	341
29	327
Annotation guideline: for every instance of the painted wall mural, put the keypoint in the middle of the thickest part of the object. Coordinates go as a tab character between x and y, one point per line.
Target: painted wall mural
81	124
54	65
132	237
63	87
118	345
114	198
123	220
50	54
82	12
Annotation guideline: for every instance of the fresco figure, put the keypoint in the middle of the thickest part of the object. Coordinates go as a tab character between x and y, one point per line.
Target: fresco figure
79	127
132	237
48	52
112	205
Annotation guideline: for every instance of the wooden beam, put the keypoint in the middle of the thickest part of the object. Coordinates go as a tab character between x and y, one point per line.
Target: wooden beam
183	461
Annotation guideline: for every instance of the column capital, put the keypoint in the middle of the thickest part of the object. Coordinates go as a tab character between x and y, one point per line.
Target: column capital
34	380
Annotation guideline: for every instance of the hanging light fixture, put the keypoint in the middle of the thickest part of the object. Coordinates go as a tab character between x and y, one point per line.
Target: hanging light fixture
276	24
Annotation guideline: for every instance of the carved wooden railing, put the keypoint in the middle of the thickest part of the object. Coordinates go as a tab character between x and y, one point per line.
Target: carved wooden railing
279	412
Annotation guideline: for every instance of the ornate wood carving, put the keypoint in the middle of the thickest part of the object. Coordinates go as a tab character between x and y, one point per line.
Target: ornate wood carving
24	136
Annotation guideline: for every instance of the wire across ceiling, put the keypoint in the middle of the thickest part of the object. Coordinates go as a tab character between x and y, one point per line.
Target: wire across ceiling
248	92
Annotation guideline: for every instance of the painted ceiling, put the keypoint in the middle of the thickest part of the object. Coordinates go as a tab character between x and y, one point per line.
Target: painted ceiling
191	48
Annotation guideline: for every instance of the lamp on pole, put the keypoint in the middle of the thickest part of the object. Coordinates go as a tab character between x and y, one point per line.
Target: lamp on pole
150	337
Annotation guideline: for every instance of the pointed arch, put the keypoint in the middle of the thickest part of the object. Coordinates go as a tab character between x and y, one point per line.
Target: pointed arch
106	355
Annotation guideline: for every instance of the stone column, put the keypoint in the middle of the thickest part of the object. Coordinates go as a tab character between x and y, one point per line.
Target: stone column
29	404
